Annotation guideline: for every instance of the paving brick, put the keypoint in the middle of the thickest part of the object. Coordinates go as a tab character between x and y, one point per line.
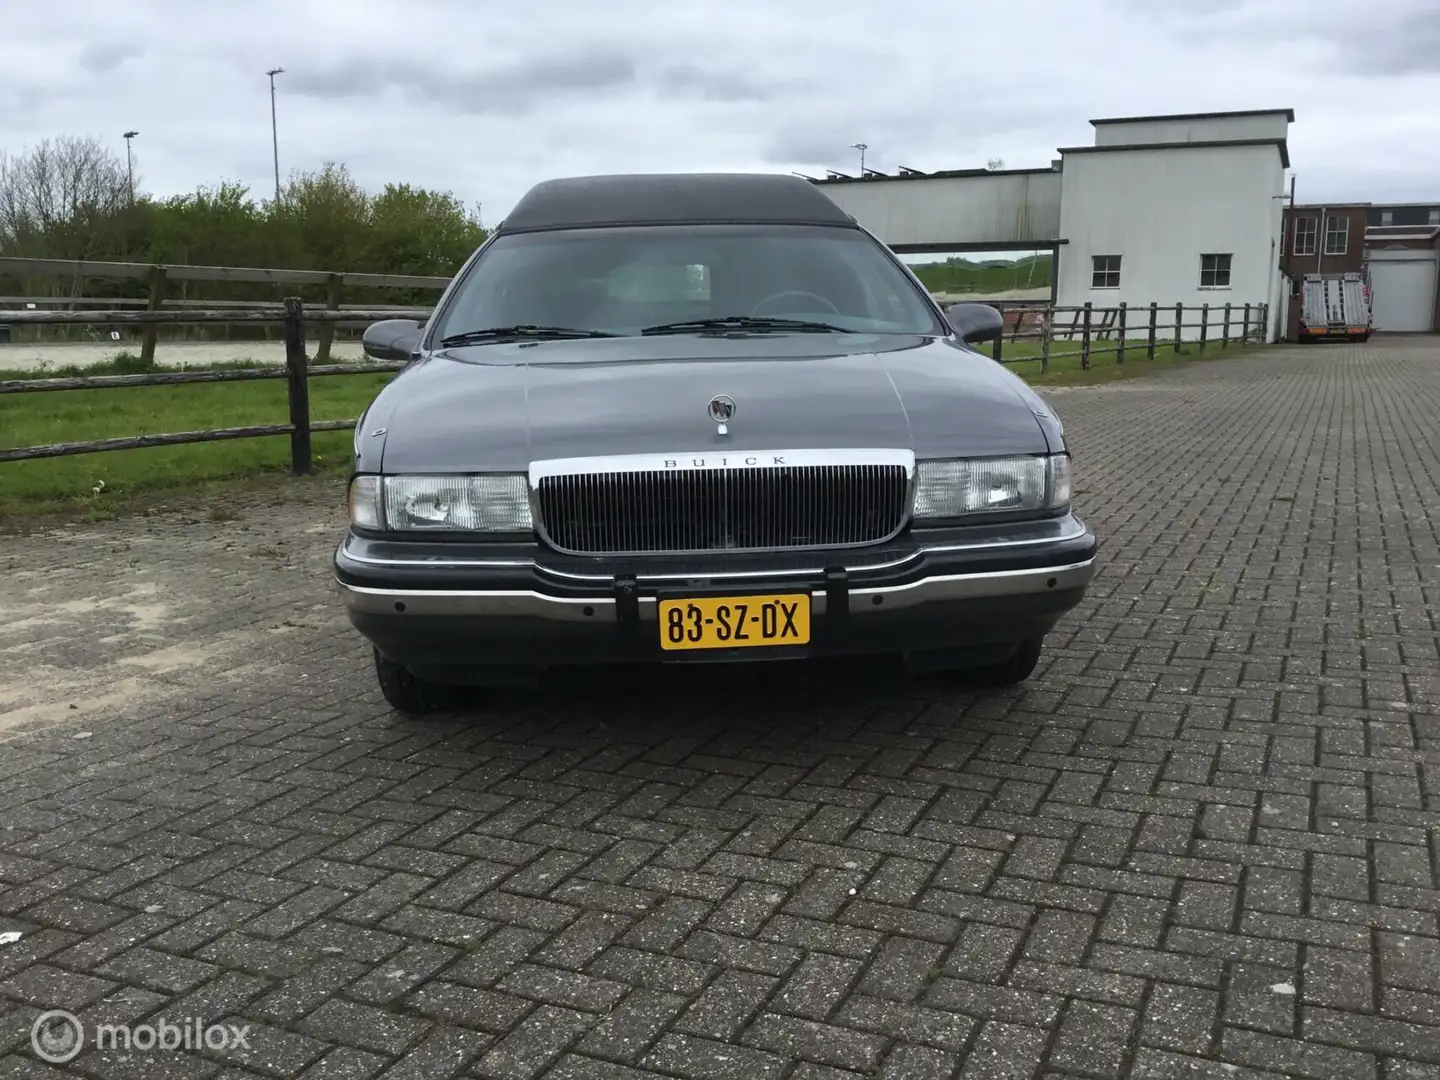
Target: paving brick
1339	978
1294	1056
703	1059
901	972
1004	1052
312	987
528	1050
468	1007
727	1004
983	953
270	1050
344	1063
156	970
791	1036
631	1027
1093	1038
556	986
1180	1018
409	968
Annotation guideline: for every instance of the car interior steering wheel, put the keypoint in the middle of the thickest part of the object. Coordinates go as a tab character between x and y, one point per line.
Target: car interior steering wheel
794	292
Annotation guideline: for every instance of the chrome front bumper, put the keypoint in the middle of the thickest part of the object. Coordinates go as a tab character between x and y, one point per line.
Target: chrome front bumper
602	608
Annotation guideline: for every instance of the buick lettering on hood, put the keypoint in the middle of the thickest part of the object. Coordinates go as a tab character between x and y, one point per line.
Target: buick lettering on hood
700	418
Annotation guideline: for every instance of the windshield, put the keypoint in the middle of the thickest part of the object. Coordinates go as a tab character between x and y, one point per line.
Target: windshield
623	280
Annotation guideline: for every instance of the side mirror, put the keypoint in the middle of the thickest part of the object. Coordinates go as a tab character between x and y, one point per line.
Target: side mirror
392	339
975	322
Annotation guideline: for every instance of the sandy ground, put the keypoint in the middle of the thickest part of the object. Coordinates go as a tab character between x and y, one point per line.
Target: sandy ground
27	356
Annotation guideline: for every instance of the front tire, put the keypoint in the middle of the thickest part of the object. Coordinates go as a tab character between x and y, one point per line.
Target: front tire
404	692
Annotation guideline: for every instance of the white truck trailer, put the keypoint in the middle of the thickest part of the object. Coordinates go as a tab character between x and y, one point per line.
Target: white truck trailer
1335	307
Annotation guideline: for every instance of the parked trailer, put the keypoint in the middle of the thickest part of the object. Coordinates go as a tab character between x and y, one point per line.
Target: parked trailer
1335	306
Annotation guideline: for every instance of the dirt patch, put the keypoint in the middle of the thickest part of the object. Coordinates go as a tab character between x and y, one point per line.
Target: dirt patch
129	614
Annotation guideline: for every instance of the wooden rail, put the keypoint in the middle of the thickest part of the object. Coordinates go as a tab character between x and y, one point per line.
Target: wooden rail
1123	329
297	372
160	276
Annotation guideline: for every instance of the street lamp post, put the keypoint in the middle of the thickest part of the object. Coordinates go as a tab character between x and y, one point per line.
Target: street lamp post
862	147
274	132
130	164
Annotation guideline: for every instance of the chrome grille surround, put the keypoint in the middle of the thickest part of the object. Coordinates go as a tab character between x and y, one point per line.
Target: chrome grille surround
731	500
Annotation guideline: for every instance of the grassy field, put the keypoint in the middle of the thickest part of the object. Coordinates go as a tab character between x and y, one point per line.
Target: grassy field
101	485
977	275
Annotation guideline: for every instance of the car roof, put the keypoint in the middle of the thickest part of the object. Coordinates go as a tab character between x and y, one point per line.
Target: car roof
673	198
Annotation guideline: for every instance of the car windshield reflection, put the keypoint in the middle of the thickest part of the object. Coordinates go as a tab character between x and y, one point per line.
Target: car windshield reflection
690	279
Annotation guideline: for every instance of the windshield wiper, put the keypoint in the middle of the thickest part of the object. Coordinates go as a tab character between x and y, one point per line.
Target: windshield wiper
522	330
744	322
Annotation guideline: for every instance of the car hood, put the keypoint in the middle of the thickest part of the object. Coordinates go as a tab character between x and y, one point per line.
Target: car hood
500	407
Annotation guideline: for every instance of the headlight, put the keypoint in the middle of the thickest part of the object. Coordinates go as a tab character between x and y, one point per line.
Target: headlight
498	503
969	486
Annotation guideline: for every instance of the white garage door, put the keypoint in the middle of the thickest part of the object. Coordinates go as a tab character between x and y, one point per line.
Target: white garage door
1403	294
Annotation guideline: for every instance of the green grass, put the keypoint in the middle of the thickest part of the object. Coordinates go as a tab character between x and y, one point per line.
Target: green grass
100	484
979	275
1024	358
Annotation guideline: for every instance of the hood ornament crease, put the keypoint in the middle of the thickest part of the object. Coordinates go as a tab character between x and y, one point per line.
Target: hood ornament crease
722	411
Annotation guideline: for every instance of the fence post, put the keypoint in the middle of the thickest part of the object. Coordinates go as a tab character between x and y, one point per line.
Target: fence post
996	349
1120	335
1179	324
1245	327
298	381
1150	337
334	289
1047	335
1225	334
1085	337
1262	328
1204	325
157	298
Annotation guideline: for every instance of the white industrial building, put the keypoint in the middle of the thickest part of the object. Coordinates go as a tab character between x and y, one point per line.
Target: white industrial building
1159	209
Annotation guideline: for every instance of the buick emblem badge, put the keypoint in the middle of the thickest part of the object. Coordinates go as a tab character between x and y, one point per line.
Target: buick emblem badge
722	411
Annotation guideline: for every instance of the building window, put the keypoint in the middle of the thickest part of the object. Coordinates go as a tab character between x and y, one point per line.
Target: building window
1105	271
1215	271
1435	217
1387	217
1304	236
1337	235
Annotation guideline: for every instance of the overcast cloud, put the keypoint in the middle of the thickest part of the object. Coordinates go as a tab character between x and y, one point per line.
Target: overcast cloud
486	99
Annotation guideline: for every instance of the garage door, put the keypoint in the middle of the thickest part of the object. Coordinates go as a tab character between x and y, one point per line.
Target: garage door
1403	294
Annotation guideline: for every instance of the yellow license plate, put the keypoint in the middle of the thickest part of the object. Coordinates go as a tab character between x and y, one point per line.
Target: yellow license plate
734	622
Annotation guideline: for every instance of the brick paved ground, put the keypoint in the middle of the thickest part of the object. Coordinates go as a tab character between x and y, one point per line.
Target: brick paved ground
1201	843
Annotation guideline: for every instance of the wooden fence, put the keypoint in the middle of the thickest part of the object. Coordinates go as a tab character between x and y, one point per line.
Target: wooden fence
1118	331
160	280
297	373
1123	330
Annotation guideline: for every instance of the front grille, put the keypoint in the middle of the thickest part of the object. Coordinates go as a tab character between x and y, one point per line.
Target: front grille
795	506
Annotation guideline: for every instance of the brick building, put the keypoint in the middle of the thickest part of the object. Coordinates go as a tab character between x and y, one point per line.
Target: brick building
1395	246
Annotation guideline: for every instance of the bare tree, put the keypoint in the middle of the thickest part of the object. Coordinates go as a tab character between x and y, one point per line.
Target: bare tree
64	198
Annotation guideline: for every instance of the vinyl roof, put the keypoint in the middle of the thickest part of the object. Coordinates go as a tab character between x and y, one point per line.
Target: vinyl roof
672	198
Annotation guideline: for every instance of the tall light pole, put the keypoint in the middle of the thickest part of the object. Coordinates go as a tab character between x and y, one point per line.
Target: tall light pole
862	147
274	132
130	164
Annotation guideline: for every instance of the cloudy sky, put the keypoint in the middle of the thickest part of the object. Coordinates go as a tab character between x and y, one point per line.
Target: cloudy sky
486	98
